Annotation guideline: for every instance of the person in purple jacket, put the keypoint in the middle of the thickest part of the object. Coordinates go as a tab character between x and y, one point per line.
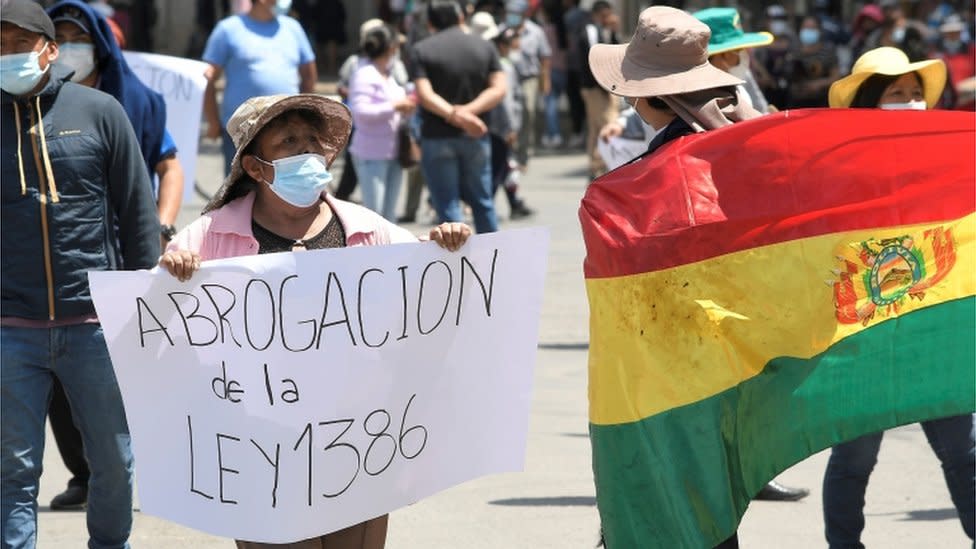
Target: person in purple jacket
378	105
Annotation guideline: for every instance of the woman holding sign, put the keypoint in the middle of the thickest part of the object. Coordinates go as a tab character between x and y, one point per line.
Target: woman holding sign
274	200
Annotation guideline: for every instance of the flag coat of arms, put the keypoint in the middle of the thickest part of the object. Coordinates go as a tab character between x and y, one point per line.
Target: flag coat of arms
764	291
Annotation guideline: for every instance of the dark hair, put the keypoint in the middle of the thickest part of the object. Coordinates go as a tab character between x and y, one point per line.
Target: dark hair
555	14
813	18
600	5
914	45
870	91
491	6
442	14
505	37
377	42
656	103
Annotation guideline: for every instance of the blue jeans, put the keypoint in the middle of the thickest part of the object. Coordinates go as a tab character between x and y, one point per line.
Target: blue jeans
458	168
379	183
850	465
558	79
77	355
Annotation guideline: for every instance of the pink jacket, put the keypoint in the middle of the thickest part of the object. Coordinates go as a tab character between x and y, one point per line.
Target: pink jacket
226	231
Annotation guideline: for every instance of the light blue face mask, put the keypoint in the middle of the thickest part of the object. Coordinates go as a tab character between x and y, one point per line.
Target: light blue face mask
20	72
282	7
301	179
513	20
809	37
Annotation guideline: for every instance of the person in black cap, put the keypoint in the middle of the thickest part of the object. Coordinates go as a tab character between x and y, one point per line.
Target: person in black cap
75	197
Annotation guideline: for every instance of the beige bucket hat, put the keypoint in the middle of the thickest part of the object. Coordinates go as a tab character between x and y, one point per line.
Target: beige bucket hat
251	117
667	55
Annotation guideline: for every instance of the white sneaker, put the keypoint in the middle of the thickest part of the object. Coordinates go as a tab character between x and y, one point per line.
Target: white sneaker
546	142
577	140
556	141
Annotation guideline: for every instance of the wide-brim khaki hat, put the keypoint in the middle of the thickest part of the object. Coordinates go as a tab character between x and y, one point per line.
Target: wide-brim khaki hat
255	113
889	62
668	55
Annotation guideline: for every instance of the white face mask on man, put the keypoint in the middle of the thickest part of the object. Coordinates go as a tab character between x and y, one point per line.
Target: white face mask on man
78	57
650	132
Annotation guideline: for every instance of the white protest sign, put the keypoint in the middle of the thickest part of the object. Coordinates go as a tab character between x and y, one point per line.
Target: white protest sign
279	397
181	83
618	151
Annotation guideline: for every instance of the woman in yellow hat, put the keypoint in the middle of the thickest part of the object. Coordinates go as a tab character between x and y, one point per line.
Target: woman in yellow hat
884	78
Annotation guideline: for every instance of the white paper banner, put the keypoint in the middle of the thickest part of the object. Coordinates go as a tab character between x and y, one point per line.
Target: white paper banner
618	151
279	397
181	83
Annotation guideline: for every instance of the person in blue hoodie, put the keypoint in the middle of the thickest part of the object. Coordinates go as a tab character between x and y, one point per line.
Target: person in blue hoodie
88	47
146	108
75	197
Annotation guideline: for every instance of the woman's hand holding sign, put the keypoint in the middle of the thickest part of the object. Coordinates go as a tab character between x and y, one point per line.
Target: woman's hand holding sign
181	264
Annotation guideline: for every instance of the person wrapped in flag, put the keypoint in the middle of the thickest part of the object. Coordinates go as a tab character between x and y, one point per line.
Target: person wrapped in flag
717	357
665	75
726	51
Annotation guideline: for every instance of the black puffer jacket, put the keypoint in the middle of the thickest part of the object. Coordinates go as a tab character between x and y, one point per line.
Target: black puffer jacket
75	198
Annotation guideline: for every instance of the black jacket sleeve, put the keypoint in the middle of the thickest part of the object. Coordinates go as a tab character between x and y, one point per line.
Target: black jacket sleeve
130	192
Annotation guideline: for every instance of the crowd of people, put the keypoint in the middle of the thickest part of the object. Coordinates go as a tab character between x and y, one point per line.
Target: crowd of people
552	101
455	97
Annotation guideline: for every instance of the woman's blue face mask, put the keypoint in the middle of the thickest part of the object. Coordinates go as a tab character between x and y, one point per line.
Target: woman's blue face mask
299	180
809	37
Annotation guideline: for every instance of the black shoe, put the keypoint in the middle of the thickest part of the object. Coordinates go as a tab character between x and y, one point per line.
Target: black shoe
73	499
774	491
406	219
520	211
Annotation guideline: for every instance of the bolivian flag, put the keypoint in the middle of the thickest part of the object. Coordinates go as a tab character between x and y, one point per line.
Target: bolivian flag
765	291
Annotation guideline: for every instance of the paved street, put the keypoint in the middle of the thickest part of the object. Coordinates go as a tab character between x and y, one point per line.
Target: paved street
551	504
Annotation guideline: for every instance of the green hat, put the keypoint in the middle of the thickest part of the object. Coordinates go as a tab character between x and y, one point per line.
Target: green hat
727	31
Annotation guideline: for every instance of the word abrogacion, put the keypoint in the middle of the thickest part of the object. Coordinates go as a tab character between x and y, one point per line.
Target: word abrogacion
263	312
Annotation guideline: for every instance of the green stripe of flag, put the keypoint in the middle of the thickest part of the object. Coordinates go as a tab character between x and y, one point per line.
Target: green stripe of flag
683	468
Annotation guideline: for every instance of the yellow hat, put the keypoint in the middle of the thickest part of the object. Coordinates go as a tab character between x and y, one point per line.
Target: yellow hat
889	62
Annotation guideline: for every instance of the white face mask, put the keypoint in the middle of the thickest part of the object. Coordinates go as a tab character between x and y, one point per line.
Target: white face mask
910	106
77	57
741	71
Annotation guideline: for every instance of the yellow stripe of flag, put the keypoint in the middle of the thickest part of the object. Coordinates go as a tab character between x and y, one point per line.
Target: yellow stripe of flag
669	338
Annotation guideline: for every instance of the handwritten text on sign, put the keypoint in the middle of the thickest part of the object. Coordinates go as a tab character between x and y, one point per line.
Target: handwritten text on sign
279	397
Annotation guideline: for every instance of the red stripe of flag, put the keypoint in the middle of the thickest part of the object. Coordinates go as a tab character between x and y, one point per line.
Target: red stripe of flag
779	178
